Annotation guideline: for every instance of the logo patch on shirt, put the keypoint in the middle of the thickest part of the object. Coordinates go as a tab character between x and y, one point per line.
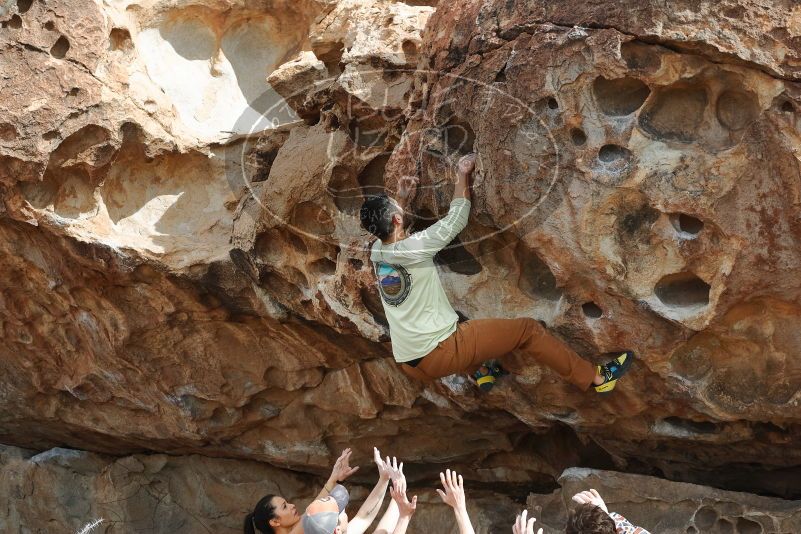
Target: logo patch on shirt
394	283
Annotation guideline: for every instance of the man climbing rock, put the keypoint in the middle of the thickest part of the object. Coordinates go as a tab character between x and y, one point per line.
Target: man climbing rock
427	340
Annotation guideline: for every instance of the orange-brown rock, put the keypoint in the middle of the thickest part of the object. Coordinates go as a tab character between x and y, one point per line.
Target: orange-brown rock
184	272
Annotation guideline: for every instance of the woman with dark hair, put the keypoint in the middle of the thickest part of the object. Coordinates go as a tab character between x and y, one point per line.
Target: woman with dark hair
274	515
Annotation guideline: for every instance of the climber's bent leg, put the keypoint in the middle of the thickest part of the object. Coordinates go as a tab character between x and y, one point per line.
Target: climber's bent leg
477	341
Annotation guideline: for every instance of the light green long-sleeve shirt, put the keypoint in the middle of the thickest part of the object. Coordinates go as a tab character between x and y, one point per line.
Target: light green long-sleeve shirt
417	309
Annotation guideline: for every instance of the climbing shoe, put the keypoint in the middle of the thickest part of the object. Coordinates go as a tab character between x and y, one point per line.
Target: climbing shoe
613	370
487	374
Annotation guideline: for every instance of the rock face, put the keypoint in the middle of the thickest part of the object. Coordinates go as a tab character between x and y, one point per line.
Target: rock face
670	507
64	489
184	272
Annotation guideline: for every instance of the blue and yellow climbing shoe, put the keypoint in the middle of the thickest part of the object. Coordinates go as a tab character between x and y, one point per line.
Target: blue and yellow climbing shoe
613	370
487	374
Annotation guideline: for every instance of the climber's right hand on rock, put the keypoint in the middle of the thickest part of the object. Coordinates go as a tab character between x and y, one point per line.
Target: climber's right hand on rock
466	164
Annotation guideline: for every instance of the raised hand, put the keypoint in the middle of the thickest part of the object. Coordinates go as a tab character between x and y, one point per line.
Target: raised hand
398	492
387	468
523	525
466	164
591	497
342	468
453	495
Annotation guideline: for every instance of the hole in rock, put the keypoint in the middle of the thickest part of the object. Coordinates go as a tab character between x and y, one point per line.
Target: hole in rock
737	109
297	243
578	136
621	96
345	190
262	161
15	22
89	144
746	526
686	223
50	25
268	247
636	224
704	518
536	279
357	264
641	56
683	290
372	301
501	76
282	289
323	266
49	136
724	526
612	153
696	427
691	530
331	55
312	219
675	113
368	131
552	103
60	48
8	132
24	5
371	179
592	310
457	259
409	51
788	107
459	135
120	39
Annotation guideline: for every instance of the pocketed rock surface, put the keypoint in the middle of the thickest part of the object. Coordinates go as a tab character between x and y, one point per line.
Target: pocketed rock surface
184	272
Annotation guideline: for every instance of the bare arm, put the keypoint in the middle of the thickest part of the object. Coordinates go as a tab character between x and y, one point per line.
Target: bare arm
463	171
366	514
454	497
405	507
389	519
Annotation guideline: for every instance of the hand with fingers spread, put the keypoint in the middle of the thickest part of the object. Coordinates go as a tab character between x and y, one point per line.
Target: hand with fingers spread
398	492
387	469
340	472
454	497
591	497
523	525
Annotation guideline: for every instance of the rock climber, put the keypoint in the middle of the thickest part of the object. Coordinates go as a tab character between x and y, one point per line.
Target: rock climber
428	342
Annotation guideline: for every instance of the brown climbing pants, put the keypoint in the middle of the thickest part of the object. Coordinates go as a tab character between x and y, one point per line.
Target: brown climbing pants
479	340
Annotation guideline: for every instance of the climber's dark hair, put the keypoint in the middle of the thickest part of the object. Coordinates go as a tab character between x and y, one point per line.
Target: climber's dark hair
376	215
260	518
589	519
